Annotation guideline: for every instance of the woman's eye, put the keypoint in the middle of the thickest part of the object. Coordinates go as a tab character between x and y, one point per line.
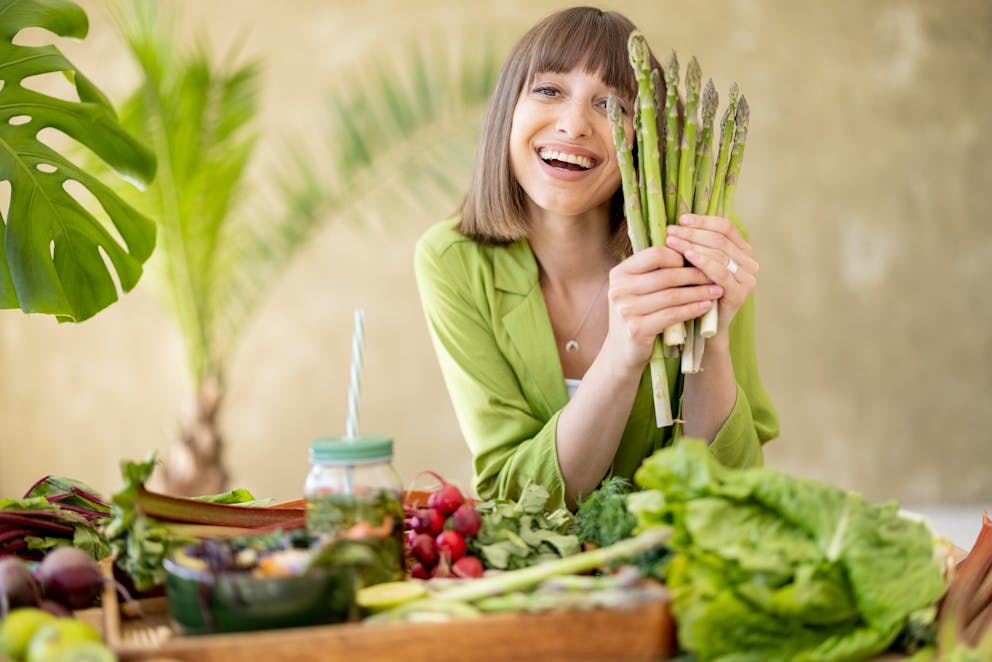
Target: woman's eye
604	104
546	90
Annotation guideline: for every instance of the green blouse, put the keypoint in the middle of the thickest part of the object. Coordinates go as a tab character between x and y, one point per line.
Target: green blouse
493	338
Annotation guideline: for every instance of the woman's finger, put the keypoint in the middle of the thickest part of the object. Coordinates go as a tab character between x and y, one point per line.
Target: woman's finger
635	306
653	281
712	231
651	258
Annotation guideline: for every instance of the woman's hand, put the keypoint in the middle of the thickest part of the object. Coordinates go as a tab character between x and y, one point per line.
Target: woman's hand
650	291
710	243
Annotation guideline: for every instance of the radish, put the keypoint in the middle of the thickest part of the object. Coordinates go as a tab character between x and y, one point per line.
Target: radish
71	577
428	520
446	499
452	543
18	587
419	571
467	567
424	549
467	520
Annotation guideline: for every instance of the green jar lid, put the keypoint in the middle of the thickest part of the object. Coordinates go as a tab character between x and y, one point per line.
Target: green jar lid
341	450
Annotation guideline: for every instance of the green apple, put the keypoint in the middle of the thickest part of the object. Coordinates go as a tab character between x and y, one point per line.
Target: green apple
53	641
18	628
84	651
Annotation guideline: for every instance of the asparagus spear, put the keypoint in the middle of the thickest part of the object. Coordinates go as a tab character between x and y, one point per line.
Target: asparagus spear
659	104
674	336
637	48
709	320
639	241
701	199
642	186
704	149
690	130
723	158
628	178
737	155
672	134
687	178
655	210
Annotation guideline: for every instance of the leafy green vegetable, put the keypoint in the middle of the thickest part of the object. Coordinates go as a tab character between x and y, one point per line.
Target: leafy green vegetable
145	526
603	518
50	516
51	247
519	534
769	566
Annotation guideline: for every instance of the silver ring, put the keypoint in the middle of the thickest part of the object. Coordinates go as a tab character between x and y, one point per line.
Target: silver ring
733	267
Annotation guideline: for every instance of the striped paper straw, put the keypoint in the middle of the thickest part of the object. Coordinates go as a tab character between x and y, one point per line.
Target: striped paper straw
354	389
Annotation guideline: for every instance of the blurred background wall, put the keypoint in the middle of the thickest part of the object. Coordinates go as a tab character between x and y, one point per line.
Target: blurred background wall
866	186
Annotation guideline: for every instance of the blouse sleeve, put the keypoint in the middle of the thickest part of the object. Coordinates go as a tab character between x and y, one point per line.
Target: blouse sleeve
510	444
753	420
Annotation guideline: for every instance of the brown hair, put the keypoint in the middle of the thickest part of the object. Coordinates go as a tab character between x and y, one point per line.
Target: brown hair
494	210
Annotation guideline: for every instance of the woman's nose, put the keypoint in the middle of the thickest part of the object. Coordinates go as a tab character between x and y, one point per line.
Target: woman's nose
574	120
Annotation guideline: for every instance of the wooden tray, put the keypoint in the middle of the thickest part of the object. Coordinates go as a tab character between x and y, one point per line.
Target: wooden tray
644	633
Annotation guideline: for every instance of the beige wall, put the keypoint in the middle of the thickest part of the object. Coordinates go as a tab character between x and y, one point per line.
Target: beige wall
866	187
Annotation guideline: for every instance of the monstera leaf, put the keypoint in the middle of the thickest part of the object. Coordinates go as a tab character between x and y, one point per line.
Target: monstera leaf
53	248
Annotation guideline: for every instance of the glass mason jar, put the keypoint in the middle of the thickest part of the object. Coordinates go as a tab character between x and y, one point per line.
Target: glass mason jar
355	496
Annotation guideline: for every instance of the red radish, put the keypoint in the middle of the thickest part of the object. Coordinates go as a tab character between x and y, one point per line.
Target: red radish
428	520
18	587
446	499
424	549
71	577
419	571
467	566
467	520
452	543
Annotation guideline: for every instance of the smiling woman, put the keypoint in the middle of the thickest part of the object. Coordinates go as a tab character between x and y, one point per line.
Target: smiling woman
512	288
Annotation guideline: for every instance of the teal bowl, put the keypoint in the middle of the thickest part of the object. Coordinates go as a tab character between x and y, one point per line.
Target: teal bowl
204	602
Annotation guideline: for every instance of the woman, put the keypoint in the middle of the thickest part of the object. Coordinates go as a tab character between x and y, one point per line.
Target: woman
542	330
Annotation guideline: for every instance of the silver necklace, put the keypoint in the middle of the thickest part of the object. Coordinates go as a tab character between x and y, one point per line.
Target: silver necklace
572	344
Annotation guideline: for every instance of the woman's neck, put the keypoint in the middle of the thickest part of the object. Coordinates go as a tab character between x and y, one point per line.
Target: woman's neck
571	249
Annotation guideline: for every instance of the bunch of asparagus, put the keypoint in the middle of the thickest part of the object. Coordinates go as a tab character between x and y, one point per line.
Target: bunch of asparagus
675	174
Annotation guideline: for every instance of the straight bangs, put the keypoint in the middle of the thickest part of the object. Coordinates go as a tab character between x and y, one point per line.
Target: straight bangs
594	41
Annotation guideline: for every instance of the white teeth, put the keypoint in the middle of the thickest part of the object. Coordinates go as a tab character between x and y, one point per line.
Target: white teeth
582	161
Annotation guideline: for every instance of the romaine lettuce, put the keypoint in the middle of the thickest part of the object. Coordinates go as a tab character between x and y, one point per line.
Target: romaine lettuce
774	567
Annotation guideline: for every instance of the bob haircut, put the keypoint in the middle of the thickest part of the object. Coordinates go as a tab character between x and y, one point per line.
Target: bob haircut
494	209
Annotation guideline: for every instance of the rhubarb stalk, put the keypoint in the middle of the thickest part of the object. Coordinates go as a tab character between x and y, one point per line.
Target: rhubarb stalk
965	613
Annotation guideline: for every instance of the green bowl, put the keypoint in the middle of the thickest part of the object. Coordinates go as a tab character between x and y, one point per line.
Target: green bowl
202	602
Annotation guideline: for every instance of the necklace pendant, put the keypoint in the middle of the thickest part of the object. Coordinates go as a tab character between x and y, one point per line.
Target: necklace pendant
571	346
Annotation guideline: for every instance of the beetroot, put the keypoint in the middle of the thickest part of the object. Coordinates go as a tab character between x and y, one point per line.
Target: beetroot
71	577
446	499
452	544
467	567
55	608
467	520
18	587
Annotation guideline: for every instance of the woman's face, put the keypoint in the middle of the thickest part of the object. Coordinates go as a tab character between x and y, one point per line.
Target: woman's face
561	145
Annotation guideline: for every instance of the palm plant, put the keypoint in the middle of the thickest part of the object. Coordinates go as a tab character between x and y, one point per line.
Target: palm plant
407	126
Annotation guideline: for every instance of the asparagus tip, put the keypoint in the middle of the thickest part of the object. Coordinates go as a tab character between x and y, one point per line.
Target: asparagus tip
743	112
671	67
